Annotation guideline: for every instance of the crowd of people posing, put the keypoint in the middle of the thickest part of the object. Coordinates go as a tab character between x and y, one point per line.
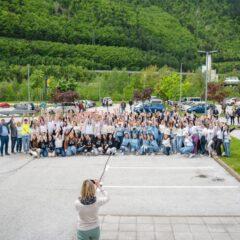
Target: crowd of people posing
98	132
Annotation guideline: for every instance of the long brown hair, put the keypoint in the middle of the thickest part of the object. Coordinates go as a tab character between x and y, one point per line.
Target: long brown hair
88	189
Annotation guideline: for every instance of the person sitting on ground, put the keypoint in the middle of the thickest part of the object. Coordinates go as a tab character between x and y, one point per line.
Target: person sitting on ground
70	144
59	150
80	145
144	149
188	145
97	145
134	144
153	146
34	146
125	143
166	144
88	144
111	145
51	146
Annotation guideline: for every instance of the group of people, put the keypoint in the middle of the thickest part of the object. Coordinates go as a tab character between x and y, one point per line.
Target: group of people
117	132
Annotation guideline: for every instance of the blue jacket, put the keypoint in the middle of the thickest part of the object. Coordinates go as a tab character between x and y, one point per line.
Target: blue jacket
6	125
125	142
134	143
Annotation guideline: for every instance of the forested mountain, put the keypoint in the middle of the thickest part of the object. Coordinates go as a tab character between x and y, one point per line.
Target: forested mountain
103	34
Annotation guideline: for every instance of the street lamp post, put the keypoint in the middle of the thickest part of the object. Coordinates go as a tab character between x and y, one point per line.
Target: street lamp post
208	53
180	94
28	82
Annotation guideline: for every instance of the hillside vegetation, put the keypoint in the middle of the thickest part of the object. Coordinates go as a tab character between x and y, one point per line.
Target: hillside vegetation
55	35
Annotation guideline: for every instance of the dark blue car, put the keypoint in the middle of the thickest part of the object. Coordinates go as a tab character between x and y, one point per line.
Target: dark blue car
199	108
150	108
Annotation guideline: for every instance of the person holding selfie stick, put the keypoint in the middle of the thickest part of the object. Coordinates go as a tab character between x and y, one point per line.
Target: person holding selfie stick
87	206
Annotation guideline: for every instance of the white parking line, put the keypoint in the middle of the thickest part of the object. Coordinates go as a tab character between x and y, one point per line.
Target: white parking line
161	168
175	187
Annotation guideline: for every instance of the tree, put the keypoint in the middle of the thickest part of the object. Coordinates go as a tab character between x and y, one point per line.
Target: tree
169	87
68	96
142	95
216	92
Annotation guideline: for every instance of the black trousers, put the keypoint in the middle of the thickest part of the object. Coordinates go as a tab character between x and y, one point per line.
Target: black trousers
218	147
13	143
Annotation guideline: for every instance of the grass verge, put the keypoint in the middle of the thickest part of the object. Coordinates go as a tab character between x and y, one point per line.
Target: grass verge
234	160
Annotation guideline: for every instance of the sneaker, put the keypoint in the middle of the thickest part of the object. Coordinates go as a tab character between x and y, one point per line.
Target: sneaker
191	155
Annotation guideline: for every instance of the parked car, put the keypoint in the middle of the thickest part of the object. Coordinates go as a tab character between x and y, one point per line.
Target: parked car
200	108
105	100
24	106
191	99
89	103
150	108
230	101
4	105
156	101
66	106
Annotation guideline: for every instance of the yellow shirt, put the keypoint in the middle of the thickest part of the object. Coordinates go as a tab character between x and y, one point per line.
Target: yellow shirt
25	129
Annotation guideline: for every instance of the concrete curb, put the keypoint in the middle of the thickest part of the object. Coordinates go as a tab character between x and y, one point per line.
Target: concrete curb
227	168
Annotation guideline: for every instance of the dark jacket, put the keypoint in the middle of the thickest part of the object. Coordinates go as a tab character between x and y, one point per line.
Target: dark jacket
13	129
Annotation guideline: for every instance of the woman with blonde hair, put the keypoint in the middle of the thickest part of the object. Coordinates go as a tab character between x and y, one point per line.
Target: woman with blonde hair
87	206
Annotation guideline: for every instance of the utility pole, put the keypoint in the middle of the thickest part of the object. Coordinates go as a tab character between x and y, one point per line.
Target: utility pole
99	89
28	81
208	53
180	95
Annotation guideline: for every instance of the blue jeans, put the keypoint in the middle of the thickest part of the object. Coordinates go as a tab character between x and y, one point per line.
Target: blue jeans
43	152
25	143
144	149
166	150
226	146
186	150
60	151
4	144
153	149
80	149
19	145
124	149
179	142
174	144
71	150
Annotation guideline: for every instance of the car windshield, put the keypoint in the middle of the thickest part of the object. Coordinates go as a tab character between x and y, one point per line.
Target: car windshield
156	102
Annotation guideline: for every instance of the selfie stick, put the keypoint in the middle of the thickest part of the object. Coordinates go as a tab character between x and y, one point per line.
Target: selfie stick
105	168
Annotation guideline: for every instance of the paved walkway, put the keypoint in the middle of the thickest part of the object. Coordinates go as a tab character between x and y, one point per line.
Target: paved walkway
170	228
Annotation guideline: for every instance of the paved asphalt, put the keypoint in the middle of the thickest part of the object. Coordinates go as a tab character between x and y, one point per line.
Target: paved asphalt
37	196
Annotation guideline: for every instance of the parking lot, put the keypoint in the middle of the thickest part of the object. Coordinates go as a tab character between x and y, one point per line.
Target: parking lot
37	196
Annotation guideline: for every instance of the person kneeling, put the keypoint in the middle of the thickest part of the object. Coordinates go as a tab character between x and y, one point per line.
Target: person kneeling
188	146
166	144
70	144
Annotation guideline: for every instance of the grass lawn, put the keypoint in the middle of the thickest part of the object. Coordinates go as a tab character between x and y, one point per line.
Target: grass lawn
234	160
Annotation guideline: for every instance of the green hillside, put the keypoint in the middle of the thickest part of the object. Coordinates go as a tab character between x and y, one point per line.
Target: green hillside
169	30
63	37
